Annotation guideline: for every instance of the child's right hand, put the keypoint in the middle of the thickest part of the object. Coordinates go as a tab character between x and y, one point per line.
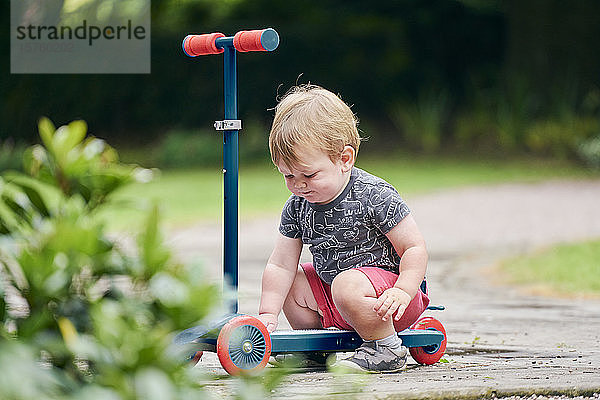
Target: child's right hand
269	320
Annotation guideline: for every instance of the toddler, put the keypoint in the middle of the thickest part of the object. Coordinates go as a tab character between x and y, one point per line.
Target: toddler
369	258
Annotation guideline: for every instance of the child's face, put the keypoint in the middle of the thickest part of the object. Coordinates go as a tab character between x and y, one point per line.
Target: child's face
318	179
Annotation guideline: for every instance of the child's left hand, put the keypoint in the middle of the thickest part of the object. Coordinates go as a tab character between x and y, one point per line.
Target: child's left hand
391	300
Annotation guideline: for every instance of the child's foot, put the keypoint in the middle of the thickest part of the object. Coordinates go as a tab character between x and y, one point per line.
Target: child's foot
374	357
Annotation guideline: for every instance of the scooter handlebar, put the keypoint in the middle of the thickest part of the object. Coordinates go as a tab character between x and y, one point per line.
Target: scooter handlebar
256	40
243	41
200	45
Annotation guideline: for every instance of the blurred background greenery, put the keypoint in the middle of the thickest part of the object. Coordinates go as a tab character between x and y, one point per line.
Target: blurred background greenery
491	77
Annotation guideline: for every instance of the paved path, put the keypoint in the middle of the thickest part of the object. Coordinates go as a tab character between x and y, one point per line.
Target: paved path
500	339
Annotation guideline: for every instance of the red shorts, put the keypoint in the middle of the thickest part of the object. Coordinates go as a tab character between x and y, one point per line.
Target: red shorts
381	280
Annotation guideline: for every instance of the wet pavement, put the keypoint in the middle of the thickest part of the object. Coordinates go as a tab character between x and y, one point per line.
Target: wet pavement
502	340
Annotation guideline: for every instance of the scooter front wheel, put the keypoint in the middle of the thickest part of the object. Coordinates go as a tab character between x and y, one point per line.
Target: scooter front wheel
244	345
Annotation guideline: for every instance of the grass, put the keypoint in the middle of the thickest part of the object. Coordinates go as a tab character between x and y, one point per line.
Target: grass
418	175
189	196
567	269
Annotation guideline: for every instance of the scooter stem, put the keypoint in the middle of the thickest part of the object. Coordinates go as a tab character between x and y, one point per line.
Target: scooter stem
216	43
230	178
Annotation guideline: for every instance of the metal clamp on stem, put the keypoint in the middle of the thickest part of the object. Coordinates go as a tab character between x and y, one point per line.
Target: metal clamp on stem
228	125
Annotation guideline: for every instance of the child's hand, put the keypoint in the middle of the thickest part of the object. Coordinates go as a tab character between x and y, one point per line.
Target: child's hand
391	300
269	320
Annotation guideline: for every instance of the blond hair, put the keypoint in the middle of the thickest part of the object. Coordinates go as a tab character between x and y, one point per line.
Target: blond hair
309	115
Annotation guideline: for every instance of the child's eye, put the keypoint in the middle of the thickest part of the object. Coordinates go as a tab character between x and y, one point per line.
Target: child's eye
288	176
310	176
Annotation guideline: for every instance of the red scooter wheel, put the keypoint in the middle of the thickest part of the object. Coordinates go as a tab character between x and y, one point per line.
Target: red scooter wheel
429	354
196	357
243	345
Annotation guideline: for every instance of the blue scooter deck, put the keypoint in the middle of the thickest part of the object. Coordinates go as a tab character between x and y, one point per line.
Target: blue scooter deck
333	340
311	340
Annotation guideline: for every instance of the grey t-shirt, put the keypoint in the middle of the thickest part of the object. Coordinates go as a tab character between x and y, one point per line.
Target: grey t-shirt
349	231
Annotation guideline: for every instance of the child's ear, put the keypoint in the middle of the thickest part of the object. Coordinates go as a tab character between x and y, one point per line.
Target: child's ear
348	158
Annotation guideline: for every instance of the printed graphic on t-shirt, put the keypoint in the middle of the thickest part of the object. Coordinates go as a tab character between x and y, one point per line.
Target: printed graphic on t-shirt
350	231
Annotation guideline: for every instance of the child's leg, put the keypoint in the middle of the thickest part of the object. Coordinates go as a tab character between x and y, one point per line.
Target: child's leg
354	296
300	307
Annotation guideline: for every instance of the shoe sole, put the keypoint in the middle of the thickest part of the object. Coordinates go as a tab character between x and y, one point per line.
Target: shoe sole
358	368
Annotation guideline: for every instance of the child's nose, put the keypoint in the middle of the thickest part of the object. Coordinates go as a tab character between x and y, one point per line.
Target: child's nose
298	183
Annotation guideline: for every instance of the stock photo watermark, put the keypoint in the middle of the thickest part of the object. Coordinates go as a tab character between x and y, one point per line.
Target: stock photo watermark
80	36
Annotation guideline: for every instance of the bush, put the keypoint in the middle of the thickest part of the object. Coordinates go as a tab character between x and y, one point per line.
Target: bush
188	149
514	111
422	122
82	317
476	131
560	138
589	152
183	149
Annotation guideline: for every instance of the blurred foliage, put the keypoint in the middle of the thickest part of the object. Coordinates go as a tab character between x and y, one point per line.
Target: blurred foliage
82	315
589	152
11	155
560	138
182	148
422	121
508	69
514	109
477	129
188	149
374	54
86	167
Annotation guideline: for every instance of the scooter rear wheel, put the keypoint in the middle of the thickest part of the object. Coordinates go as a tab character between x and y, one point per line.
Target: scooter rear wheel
243	345
429	354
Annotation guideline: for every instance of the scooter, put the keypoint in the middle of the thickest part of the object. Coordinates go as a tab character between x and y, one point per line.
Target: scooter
242	342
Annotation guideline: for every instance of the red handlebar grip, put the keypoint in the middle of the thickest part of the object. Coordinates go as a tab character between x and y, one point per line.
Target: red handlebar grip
248	41
199	45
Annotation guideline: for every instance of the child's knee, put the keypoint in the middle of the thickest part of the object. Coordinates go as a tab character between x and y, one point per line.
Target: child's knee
350	287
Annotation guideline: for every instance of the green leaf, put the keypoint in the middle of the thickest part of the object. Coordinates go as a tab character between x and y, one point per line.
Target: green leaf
24	377
46	129
66	139
154	254
77	131
17	202
10	220
153	384
94	392
94	147
35	158
31	188
60	146
169	290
